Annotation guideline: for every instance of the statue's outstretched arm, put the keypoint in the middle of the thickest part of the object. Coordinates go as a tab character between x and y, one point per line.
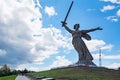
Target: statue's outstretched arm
91	30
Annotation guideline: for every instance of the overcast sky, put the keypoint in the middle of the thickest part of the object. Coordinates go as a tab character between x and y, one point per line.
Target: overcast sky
31	35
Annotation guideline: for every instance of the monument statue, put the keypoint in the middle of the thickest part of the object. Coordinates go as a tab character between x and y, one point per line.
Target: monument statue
84	56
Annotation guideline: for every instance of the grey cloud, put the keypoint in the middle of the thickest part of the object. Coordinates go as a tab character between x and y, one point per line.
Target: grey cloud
15	37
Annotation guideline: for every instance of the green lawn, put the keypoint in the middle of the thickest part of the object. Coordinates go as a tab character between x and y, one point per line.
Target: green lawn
8	77
81	73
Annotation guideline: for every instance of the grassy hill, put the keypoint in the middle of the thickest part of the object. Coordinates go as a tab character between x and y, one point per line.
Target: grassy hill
81	73
8	77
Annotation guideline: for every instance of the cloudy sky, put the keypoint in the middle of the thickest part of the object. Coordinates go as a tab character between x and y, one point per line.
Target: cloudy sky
31	35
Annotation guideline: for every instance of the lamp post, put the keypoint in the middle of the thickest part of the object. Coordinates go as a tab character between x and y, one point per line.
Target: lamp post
100	63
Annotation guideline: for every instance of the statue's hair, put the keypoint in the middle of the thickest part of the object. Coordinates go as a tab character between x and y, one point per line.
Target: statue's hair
77	25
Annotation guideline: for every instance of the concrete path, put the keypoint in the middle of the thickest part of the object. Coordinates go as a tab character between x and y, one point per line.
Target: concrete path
22	77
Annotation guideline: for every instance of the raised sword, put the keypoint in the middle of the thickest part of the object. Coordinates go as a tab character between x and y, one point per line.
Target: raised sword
64	22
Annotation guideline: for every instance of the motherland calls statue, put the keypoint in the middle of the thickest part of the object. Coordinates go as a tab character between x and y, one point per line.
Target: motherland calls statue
84	56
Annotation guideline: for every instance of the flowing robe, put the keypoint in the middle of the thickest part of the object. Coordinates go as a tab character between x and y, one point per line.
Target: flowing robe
80	46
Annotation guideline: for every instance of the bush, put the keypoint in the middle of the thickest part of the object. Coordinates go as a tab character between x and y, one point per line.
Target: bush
119	68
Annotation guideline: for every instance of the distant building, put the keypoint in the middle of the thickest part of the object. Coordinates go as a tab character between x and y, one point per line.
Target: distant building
5	67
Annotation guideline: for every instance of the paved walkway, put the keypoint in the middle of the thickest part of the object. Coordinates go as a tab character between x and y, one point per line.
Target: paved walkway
21	77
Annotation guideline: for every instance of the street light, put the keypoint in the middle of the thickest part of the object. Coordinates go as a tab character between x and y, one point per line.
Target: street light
100	63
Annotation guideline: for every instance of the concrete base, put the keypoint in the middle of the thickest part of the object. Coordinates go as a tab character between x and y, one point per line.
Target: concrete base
84	63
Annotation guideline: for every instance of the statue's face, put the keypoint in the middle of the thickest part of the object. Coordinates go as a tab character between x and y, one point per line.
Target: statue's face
76	27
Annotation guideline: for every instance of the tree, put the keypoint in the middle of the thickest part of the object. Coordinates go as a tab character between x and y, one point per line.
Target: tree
25	70
119	68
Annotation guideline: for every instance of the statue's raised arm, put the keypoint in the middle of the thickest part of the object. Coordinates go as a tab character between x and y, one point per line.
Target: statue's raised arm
67	28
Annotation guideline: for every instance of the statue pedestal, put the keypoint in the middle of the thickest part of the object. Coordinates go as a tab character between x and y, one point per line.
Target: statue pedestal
84	63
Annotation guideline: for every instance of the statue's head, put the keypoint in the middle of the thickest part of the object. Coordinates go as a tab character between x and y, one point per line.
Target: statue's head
76	26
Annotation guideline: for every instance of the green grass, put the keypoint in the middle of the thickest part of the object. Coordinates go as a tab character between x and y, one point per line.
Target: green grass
81	73
8	77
